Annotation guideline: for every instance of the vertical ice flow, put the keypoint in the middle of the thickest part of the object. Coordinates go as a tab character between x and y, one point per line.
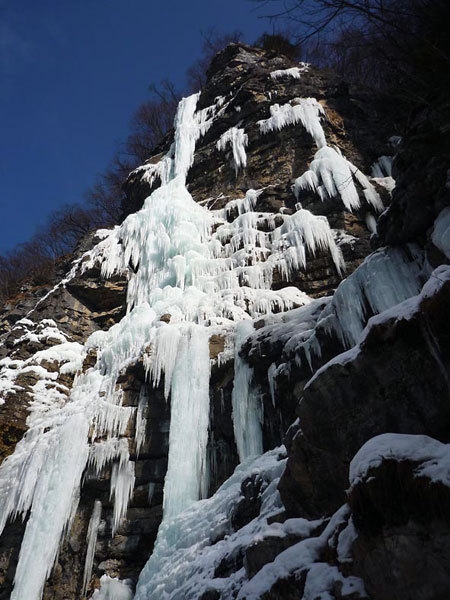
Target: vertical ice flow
55	498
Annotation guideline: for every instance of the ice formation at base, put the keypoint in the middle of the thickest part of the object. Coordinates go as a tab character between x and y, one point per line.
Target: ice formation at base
185	566
112	588
190	546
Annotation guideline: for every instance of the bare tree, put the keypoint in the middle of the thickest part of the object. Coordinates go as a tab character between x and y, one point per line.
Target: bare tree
152	120
213	42
404	43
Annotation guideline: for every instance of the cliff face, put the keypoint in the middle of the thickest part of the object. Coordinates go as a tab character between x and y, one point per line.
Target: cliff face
228	314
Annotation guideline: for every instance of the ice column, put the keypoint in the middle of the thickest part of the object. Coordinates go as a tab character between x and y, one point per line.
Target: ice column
246	401
186	478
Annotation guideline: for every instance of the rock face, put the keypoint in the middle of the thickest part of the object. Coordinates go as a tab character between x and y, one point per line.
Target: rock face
324	378
381	388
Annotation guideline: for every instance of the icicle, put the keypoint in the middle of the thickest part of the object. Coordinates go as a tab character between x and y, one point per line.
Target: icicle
238	139
105	451
122	484
189	127
162	358
387	277
91	541
383	167
330	168
246	401
162	170
371	222
271	374
151	491
370	194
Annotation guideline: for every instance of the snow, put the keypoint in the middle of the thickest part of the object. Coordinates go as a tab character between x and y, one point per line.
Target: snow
47	393
295	72
238	140
295	331
307	111
432	457
40	333
441	232
345	542
303	559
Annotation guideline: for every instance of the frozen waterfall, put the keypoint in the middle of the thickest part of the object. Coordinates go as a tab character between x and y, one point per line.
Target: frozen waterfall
206	272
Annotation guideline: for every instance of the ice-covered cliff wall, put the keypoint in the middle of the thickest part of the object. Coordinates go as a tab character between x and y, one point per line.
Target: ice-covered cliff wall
207	317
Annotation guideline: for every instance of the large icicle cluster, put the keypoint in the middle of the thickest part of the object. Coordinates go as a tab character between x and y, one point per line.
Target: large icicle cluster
330	175
307	111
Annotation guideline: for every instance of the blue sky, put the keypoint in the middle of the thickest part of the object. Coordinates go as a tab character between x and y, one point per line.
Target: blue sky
72	72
